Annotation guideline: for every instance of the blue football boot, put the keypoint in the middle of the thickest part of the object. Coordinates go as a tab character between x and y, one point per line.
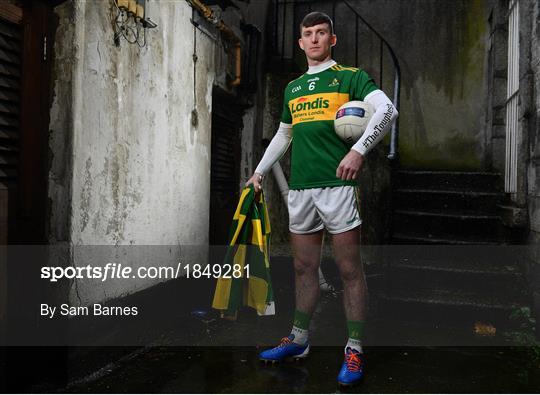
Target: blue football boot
352	370
285	350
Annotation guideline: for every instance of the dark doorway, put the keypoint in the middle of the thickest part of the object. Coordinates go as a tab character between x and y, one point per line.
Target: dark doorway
11	53
26	46
225	164
26	33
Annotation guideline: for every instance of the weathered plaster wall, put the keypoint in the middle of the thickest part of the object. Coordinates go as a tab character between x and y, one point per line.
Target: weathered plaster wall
128	167
441	46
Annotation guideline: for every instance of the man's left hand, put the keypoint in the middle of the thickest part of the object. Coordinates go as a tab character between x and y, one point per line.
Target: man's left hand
350	166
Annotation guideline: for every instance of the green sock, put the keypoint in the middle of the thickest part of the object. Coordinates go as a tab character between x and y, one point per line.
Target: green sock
356	329
301	319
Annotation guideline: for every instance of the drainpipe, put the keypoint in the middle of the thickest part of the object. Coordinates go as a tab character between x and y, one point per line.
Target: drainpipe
281	181
210	16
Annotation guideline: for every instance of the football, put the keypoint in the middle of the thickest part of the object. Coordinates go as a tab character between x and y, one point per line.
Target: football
351	120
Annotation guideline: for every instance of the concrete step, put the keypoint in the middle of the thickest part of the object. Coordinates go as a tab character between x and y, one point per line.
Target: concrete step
486	278
459	257
447	199
450	222
387	331
468	181
428	238
459	266
448	306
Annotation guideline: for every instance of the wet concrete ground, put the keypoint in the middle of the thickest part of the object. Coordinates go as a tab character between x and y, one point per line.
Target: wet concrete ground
192	356
417	358
389	370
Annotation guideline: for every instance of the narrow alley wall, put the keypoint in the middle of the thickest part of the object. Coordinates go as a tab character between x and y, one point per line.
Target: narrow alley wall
530	124
534	130
442	54
128	165
441	47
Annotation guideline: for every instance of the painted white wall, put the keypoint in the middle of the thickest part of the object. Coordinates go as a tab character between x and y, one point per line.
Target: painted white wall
128	167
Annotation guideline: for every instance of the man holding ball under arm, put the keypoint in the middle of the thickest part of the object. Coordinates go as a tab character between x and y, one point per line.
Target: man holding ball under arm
323	186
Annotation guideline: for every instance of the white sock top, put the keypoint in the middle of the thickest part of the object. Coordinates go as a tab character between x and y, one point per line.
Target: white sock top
300	335
355	345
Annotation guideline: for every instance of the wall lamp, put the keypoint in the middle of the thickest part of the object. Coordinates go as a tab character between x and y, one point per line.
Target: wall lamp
131	22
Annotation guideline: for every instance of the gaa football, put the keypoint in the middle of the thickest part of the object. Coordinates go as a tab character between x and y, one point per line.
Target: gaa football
351	120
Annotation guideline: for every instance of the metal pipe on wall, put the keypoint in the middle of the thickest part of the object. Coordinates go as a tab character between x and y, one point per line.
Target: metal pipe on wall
210	16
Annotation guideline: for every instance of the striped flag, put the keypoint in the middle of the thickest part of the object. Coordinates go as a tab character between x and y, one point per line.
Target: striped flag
249	240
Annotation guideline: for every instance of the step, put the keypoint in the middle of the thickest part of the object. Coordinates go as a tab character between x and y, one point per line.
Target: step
450	221
468	259
473	181
459	257
447	306
447	199
421	238
450	214
386	331
487	278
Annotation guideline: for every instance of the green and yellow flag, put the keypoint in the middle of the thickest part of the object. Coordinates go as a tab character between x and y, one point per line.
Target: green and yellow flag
249	240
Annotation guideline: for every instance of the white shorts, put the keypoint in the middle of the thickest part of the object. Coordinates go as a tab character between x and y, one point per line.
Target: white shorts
336	208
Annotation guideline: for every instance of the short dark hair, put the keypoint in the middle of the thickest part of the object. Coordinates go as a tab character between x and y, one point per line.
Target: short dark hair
315	18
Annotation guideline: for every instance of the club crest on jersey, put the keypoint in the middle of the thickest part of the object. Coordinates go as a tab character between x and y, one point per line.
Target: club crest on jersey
335	82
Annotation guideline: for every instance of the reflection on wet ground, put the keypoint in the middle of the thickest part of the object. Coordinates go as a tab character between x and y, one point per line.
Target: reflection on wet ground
404	366
389	369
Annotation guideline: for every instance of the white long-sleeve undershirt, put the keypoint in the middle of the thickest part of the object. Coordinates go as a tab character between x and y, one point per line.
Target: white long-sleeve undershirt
277	147
379	124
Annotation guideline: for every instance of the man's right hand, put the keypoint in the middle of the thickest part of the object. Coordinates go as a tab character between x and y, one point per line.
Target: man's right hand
256	180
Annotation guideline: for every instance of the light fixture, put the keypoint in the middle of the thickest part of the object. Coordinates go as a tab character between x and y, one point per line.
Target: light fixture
131	22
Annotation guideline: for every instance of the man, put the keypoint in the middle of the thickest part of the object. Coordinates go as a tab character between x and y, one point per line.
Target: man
323	186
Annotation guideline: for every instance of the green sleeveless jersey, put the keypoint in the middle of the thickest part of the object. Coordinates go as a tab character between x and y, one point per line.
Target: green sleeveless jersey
310	105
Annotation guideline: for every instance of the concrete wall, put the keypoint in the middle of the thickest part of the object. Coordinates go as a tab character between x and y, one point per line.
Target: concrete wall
128	167
256	12
531	131
441	46
497	45
534	128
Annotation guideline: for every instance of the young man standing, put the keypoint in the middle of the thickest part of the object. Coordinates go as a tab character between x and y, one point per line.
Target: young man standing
323	187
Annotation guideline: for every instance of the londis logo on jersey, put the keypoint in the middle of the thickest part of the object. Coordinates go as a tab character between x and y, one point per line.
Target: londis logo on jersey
316	107
302	104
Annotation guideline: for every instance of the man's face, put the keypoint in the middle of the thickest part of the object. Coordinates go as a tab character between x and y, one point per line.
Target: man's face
316	41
